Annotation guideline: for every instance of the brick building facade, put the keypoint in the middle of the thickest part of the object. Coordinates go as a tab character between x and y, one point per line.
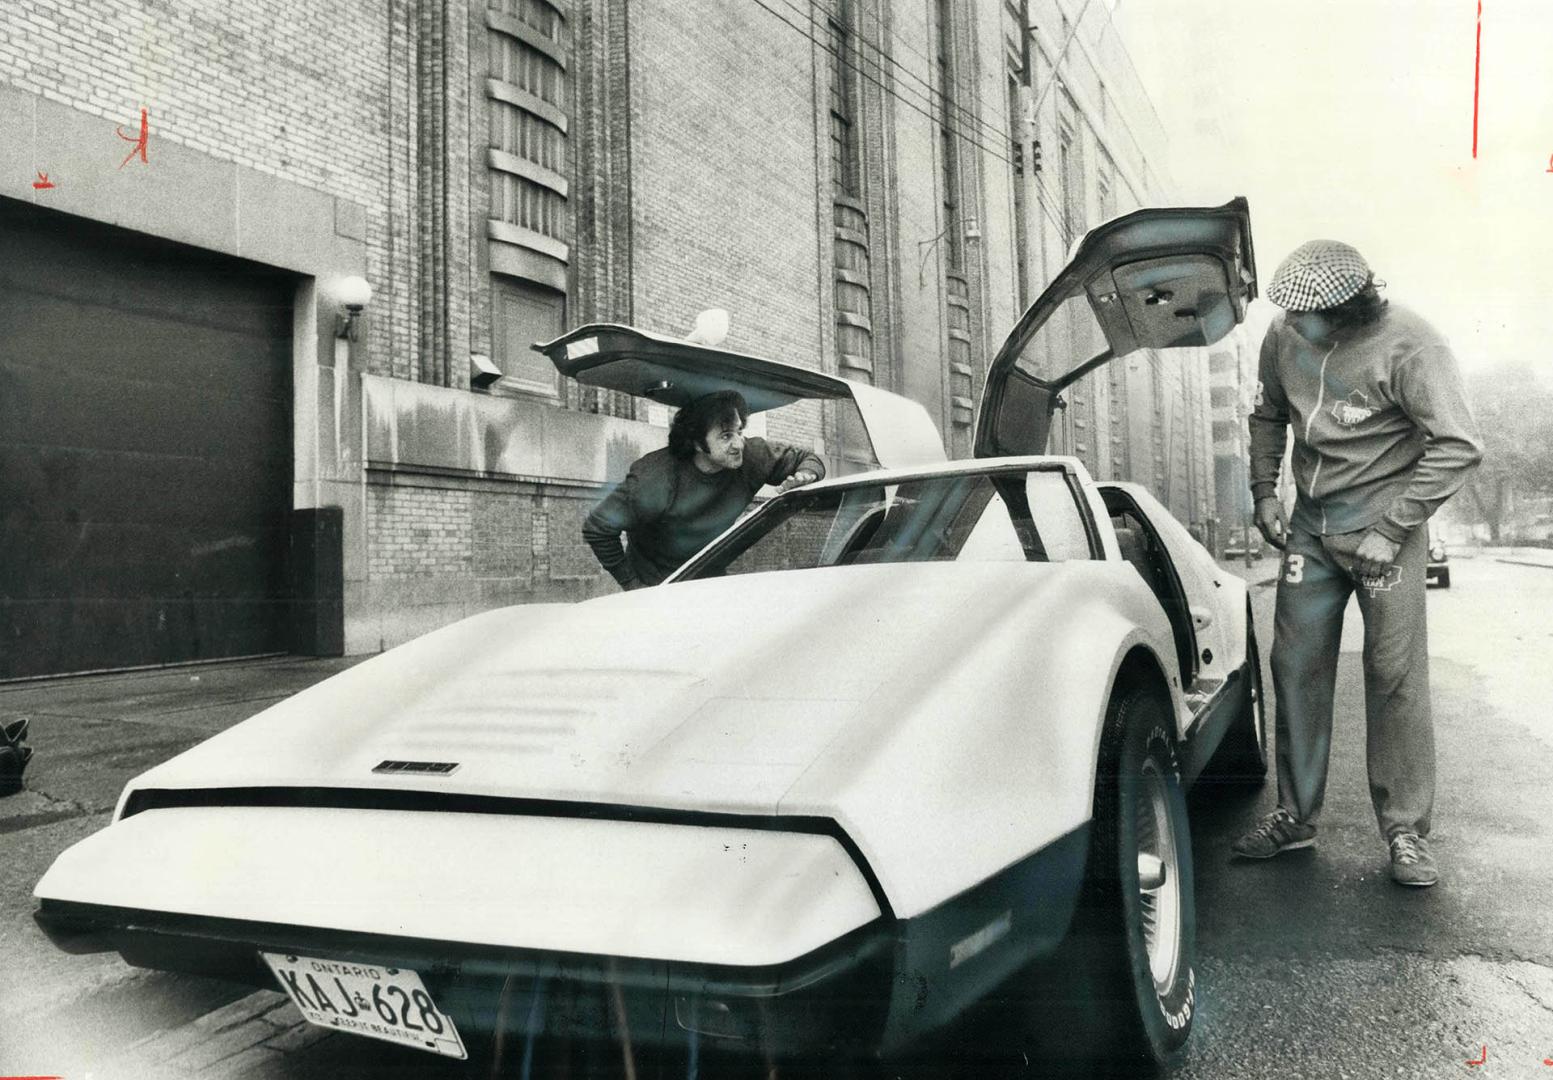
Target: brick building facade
868	186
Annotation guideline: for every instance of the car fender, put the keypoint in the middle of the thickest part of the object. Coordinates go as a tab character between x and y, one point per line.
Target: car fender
999	742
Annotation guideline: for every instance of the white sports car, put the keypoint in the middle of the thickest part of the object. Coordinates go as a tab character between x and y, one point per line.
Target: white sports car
855	767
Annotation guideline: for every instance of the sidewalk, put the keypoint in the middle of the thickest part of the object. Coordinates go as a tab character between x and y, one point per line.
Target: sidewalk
1260	573
1515	556
128	714
91	734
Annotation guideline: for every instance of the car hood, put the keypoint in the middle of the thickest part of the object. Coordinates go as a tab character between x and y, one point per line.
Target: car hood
711	695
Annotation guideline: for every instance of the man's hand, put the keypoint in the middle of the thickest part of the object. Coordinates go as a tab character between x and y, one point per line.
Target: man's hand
1271	523
1375	554
798	479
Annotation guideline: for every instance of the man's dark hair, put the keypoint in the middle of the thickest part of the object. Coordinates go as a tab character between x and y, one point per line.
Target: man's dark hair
687	433
1360	309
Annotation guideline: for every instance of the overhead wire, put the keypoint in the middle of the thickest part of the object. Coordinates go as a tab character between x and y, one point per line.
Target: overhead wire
961	82
915	104
934	96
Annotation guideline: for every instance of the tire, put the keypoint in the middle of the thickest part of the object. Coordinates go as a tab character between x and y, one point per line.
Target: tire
1241	759
1444	577
1118	997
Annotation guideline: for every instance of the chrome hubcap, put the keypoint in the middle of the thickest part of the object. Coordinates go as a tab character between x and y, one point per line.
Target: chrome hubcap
1258	716
1159	879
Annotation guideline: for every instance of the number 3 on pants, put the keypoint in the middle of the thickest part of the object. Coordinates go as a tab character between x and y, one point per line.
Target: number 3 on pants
1294	569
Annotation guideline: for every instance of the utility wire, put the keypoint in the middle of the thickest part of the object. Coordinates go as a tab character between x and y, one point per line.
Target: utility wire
915	105
982	126
934	95
962	80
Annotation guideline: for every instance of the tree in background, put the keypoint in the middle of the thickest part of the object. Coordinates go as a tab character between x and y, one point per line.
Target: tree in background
1513	407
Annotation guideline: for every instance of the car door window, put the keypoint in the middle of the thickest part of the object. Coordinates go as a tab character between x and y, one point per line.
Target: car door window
1055	513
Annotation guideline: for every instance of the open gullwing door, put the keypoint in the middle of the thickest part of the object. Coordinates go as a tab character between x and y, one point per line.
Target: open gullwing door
1156	279
673	372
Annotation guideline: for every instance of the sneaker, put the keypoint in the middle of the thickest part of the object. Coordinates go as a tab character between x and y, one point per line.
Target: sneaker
1411	863
1276	832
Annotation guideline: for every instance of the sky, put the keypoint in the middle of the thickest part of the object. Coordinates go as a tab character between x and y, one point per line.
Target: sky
1353	120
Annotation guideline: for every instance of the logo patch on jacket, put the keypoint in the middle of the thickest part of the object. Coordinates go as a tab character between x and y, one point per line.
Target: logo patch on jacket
1353	409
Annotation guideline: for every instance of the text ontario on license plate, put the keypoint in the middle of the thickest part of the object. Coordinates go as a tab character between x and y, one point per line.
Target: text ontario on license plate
365	999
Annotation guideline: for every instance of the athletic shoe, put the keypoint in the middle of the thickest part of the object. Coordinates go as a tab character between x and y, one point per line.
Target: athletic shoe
1411	863
1276	832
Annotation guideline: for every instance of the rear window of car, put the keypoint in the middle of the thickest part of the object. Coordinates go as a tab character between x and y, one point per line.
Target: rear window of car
1023	516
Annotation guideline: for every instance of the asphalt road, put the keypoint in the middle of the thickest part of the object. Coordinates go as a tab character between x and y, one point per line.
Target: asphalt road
1312	964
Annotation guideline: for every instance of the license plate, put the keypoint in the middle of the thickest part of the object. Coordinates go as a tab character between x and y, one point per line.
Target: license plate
364	999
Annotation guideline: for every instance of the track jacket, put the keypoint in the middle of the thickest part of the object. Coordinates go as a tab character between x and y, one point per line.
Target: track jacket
669	509
1382	432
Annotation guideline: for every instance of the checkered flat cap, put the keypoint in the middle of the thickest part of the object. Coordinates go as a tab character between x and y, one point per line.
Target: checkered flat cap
1317	275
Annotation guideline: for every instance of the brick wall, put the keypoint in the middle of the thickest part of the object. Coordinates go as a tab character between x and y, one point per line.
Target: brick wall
526	537
413	530
317	94
726	206
440	548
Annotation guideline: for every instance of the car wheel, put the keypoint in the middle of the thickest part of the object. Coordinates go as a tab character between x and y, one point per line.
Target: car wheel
1444	578
1241	759
1118	997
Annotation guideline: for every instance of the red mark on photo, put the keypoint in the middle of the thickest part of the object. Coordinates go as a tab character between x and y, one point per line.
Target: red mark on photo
42	182
1477	71
1482	1057
140	141
1550	163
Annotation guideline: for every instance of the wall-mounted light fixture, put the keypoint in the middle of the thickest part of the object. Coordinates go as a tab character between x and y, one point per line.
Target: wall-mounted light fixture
482	373
354	294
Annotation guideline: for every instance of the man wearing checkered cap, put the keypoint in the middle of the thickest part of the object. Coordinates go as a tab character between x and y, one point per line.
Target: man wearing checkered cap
1382	437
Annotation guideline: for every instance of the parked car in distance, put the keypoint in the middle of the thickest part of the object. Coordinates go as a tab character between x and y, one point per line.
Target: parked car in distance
1235	547
1438	571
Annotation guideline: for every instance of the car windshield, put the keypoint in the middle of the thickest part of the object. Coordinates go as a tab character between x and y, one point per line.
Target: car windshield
1025	515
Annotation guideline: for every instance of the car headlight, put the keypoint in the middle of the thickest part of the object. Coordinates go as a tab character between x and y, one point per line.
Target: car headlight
1437	553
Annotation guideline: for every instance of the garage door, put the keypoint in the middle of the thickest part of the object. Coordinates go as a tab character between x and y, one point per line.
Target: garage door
145	449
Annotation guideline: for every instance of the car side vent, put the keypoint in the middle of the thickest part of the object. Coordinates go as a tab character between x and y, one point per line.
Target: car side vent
436	768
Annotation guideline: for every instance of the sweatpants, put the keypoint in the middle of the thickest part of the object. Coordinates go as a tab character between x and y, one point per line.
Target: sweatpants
1313	589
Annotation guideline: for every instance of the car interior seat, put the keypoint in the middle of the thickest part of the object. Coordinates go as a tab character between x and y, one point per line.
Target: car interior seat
1135	550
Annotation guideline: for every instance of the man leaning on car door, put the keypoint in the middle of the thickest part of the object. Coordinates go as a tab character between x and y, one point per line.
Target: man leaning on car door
1382	437
676	500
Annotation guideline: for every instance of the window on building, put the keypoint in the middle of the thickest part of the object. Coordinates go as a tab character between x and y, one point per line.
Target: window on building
529	223
521	314
1071	163
846	171
1105	183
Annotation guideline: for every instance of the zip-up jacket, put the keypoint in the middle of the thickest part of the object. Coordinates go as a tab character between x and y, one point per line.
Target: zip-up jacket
1382	432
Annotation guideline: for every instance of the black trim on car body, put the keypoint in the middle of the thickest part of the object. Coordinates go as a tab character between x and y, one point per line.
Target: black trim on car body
872	991
460	803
